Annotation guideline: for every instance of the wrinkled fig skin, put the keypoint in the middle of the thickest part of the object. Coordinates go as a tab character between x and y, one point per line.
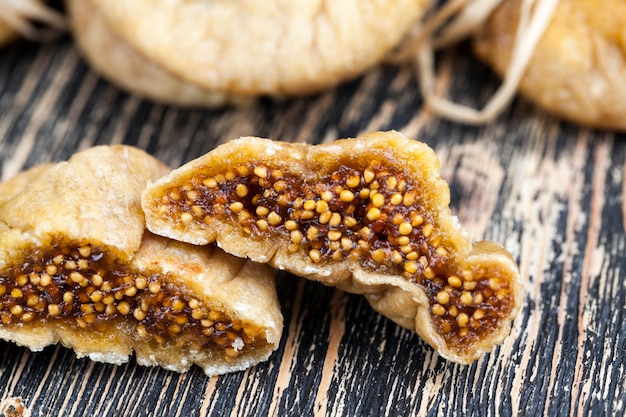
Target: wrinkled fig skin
369	215
270	48
117	61
578	69
78	267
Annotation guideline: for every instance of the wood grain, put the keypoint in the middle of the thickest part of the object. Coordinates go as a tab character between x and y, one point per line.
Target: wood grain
549	191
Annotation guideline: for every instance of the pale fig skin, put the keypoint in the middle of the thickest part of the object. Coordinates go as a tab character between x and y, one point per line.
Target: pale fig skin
271	48
117	61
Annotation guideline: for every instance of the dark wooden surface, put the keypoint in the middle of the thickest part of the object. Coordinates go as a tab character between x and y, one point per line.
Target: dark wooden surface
549	191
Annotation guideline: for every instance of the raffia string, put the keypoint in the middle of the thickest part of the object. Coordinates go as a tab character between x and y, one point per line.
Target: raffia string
458	19
20	15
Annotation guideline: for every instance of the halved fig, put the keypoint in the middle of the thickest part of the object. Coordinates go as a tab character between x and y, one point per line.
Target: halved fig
78	267
368	215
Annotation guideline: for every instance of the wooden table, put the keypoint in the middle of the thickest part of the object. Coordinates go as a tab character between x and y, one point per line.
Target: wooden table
551	192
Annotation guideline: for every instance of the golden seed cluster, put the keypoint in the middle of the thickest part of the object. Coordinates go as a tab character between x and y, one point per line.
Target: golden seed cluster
375	214
80	287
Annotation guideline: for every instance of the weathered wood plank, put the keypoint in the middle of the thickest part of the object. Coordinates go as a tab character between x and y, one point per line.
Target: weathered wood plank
551	192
